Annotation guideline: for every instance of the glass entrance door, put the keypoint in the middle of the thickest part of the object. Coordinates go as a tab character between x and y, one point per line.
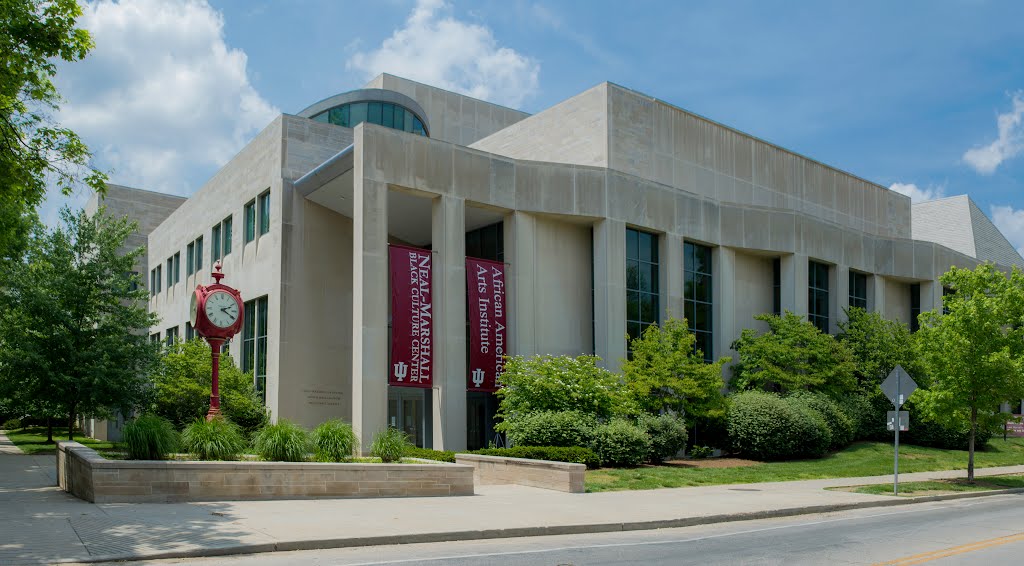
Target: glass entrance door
480	410
407	412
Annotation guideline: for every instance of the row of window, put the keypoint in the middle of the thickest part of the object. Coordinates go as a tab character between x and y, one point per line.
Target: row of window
381	113
257	218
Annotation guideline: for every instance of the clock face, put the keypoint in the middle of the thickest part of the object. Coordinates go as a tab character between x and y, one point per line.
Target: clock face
221	309
193	310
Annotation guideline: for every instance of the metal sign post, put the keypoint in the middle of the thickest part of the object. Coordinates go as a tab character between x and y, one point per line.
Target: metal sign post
897	387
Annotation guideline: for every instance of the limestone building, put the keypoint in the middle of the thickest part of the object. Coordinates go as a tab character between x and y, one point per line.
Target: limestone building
609	211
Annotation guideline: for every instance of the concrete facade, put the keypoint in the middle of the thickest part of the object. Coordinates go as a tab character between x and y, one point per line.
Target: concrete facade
566	185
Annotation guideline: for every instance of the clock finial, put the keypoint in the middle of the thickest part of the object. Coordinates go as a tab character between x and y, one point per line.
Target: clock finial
217	274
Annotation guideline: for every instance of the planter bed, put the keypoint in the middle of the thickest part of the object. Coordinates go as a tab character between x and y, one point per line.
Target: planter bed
87	475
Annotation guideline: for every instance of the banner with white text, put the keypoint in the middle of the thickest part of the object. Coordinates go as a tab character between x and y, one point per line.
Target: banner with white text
412	332
485	285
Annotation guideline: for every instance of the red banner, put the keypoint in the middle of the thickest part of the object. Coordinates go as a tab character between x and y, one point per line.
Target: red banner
485	284
412	321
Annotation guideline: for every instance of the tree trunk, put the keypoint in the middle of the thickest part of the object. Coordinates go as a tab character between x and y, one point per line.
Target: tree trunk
71	423
970	444
49	430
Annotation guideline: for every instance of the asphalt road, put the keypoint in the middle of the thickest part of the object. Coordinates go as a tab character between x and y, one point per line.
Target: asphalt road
988	530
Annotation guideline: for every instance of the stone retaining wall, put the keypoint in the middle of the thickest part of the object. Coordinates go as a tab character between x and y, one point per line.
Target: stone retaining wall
559	476
87	475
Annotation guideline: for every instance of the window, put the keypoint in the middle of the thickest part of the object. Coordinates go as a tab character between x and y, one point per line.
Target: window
777	287
215	243
946	291
154	338
487	242
264	200
642	306
172	335
226	234
190	332
385	114
133	281
170	272
177	267
250	221
254	343
915	306
858	290
190	259
199	254
159	277
817	295
152	282
697	297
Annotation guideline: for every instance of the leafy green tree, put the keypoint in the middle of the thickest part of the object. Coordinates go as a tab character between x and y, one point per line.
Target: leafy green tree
73	320
667	374
878	345
34	151
181	388
974	351
792	355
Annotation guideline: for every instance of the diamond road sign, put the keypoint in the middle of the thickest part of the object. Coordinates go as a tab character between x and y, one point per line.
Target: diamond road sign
898	383
890	421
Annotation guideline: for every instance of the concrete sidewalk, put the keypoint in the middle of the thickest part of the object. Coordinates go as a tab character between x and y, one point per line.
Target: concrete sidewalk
39	524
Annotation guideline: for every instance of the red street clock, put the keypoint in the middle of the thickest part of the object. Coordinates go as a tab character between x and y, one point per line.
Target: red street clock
217	315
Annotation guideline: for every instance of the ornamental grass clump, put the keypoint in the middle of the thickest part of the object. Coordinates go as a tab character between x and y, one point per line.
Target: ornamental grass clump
217	439
283	441
150	437
334	441
390	445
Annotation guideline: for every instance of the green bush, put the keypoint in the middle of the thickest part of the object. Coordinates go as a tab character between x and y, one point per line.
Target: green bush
334	441
765	426
283	441
428	454
218	439
390	445
698	452
242	406
150	437
552	428
841	427
11	424
620	443
927	433
667	434
572	454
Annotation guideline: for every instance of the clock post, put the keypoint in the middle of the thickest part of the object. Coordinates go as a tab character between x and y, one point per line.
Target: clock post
217	315
215	345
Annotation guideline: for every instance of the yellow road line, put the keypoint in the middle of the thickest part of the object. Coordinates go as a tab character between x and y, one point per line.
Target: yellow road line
953	551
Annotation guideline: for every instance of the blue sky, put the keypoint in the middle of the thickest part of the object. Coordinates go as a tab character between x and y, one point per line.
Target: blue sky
924	96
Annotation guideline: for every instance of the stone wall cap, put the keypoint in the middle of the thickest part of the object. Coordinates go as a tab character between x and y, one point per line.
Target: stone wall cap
521	461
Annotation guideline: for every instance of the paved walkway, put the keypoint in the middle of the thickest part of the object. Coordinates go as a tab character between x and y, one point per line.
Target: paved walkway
39	524
6	446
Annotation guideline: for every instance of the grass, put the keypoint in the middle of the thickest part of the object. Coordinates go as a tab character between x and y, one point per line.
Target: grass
860	459
32	440
912	489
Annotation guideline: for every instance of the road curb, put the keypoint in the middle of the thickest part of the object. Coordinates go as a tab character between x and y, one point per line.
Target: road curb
548	530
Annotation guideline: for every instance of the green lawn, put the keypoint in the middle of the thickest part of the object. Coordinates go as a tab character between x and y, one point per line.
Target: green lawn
912	489
860	459
32	440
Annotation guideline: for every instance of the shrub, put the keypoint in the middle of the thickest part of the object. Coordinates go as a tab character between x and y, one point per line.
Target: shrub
11	424
334	441
390	445
552	428
218	439
283	441
560	383
929	433
242	406
621	443
764	426
699	452
667	434
840	425
150	437
573	454
428	454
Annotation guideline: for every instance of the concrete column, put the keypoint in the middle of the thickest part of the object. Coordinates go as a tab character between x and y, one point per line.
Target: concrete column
521	254
369	306
723	267
877	298
793	280
839	297
672	276
610	292
931	296
448	236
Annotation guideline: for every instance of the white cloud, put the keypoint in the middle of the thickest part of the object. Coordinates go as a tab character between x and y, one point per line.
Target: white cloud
1011	223
162	100
435	48
1010	142
916	193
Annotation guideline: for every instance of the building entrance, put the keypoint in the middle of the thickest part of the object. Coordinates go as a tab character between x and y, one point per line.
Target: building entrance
480	410
407	411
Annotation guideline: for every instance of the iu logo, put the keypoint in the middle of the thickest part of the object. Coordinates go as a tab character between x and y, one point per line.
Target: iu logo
478	377
401	371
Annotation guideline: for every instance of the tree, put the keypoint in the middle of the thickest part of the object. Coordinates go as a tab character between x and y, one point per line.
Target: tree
34	151
73	320
878	345
974	351
666	374
792	356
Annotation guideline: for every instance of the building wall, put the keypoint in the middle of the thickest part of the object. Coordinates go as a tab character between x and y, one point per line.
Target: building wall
897	301
561	285
753	290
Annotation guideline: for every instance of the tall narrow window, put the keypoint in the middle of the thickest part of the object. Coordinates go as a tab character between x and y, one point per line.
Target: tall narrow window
250	221
817	295
172	335
154	338
177	267
190	332
215	243
777	286
697	297
264	212
152	282
915	306
190	259
254	343
170	271
199	254
858	290
159	277
946	291
226	234
642	300
487	242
